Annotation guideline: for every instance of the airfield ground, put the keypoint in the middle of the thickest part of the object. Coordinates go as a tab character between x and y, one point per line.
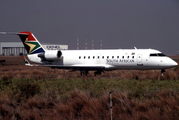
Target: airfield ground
45	93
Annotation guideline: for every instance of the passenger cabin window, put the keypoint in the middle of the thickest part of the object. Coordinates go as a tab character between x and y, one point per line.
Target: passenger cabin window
93	57
88	57
112	57
103	57
122	56
84	57
107	57
98	57
117	56
132	56
79	57
127	56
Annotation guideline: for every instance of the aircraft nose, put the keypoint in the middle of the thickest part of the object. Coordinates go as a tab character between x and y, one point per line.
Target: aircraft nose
173	63
169	63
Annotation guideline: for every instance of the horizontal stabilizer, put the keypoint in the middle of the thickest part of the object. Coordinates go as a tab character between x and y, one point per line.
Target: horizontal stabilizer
13	33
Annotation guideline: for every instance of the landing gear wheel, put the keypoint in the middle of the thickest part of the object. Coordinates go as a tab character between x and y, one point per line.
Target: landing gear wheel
97	73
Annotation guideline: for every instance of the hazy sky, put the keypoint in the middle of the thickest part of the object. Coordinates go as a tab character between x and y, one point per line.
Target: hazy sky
119	23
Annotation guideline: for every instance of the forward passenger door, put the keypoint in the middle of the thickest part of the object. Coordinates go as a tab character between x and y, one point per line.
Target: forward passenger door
139	60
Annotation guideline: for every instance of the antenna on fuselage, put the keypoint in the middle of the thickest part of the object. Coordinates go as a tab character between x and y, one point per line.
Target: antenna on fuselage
135	48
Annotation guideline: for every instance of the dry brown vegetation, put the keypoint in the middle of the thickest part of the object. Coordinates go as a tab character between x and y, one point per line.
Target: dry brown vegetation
45	93
81	105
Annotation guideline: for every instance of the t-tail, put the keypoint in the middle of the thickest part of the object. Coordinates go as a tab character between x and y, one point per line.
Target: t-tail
36	53
32	46
30	42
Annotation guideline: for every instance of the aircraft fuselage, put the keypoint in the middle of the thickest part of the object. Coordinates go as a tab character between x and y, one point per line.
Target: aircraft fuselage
139	59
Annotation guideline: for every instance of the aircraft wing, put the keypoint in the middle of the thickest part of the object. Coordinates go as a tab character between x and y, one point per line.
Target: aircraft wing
78	67
74	67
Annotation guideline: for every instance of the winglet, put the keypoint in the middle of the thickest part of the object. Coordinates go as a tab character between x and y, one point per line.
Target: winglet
26	61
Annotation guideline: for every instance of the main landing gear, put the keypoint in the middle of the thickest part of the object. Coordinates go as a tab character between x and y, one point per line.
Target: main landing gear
98	72
84	73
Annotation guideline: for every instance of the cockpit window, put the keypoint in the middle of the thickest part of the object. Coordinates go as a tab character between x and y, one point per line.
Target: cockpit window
157	54
161	54
154	54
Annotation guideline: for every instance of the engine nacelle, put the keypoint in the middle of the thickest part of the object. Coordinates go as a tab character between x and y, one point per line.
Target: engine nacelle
51	55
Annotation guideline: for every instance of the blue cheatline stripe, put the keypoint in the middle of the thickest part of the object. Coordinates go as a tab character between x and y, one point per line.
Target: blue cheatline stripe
38	51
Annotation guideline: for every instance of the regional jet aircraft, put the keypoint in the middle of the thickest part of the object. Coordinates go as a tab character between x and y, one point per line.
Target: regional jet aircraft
94	60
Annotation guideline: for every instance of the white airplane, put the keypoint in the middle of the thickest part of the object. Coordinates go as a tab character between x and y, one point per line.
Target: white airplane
94	60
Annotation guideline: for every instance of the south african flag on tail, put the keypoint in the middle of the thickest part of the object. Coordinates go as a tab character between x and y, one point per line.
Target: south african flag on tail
31	44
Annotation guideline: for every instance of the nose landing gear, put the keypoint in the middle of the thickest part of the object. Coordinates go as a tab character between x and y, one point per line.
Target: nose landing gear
162	71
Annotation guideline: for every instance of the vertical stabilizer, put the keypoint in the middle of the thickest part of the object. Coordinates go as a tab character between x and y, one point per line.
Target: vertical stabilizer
31	44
